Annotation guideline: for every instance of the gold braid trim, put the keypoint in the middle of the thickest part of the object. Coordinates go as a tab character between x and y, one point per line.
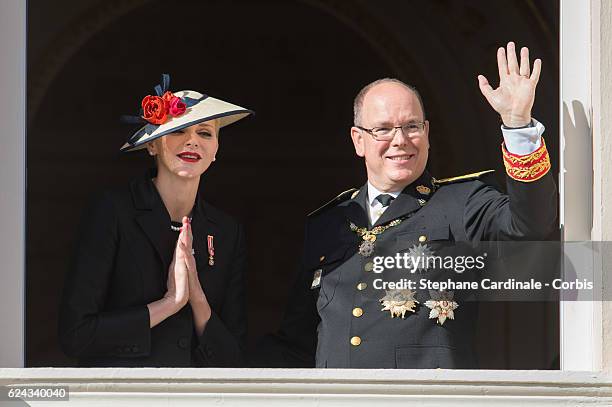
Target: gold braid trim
527	168
466	177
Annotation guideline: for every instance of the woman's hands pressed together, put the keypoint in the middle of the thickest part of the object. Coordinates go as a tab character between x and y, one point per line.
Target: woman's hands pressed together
183	285
177	293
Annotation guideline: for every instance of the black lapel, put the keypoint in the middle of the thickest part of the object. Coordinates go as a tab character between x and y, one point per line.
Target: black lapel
351	210
407	201
153	217
356	208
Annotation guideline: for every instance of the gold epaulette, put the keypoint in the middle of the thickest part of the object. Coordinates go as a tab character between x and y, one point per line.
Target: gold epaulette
348	194
460	178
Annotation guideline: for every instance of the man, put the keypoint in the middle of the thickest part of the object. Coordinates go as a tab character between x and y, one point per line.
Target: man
338	316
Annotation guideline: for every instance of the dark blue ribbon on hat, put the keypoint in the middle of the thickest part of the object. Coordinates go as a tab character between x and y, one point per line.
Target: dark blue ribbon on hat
163	86
191	101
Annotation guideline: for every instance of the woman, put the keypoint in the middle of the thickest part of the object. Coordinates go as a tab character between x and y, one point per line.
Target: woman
159	273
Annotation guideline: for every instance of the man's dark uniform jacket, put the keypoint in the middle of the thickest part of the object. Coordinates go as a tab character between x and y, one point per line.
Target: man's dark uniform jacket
338	321
123	253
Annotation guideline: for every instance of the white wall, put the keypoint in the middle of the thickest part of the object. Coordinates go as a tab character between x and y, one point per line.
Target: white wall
602	151
318	387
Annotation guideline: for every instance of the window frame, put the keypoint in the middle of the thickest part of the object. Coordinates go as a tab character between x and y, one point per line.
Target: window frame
581	322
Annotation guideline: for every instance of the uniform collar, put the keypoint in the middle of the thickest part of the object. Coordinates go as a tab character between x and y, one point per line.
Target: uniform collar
411	199
422	188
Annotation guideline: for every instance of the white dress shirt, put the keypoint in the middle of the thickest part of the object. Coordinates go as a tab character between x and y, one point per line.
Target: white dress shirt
523	141
375	208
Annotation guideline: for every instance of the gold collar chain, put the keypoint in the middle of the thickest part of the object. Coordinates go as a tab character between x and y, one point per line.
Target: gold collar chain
366	248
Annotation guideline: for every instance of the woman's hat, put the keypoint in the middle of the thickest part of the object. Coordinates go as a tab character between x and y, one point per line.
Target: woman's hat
167	112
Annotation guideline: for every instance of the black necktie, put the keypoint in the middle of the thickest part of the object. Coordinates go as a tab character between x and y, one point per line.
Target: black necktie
385	199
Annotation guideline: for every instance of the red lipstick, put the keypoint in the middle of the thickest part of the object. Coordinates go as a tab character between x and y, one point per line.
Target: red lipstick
189	156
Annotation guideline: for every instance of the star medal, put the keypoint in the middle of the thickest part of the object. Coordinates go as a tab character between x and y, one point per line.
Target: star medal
397	302
366	248
442	305
211	250
419	255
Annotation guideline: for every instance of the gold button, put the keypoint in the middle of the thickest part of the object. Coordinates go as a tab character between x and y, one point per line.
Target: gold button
361	286
355	341
321	258
357	312
422	238
369	266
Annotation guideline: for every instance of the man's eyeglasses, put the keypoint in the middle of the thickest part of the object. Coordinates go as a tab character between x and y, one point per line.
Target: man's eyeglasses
411	129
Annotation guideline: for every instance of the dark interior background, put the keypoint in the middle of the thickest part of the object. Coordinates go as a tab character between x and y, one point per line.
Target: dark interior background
298	64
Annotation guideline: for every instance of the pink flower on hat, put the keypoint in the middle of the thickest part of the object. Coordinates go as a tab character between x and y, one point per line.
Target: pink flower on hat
176	107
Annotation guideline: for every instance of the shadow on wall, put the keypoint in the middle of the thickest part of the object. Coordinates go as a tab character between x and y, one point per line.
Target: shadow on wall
578	169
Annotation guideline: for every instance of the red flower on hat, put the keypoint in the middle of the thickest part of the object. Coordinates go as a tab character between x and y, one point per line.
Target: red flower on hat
154	109
168	96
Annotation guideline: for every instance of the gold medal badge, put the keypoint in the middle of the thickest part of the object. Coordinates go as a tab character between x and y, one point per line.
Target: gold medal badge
442	306
423	190
398	302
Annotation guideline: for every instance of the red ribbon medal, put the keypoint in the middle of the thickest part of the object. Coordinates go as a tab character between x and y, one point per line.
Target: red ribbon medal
211	251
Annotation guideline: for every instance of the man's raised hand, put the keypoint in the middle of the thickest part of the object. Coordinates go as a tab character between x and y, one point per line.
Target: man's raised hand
514	97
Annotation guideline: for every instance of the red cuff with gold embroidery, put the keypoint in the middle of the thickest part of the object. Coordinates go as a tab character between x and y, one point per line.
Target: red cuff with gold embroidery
527	168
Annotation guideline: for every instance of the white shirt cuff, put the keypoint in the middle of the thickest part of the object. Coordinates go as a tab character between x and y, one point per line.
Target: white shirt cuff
523	141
